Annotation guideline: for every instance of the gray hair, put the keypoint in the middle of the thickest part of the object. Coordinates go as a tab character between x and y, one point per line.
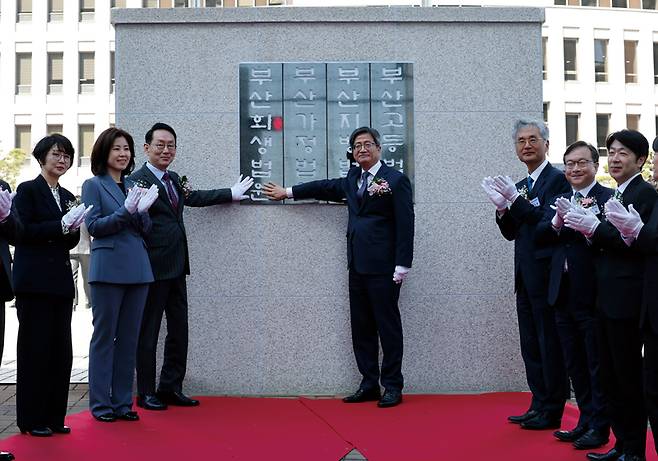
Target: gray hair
522	123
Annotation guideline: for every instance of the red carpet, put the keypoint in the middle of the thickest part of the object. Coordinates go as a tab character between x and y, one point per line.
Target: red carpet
424	427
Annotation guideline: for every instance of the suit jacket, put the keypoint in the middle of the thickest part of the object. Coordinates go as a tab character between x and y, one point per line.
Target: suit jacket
620	269
647	242
519	224
380	229
9	229
167	240
571	246
118	251
41	259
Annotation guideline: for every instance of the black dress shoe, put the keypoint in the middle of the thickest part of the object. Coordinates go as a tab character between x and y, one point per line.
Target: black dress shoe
6	456
593	438
61	429
630	457
390	399
541	422
129	416
177	398
611	455
570	436
363	395
40	432
106	418
150	402
524	417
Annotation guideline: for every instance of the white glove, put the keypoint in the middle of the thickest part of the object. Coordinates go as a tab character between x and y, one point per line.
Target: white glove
400	274
78	222
73	215
240	187
498	200
505	187
582	220
6	198
132	199
562	207
147	199
614	206
628	222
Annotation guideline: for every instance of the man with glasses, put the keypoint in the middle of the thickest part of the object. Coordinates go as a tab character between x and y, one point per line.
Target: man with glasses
380	234
520	207
572	293
168	253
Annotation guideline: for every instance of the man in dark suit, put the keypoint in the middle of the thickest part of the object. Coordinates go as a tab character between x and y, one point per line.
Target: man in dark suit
380	235
572	292
8	232
620	273
528	201
168	253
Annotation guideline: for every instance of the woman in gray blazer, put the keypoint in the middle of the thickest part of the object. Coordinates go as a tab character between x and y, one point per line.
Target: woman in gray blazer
119	273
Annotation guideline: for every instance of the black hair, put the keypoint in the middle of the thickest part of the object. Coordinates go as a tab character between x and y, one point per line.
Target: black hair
593	150
632	140
158	126
365	130
45	144
102	147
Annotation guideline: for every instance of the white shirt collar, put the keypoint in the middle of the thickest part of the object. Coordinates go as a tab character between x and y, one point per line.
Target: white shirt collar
585	190
373	170
622	187
535	174
157	172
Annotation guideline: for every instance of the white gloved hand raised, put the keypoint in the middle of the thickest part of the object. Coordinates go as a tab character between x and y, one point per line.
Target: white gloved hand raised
80	219
614	206
561	207
628	222
240	187
147	199
400	274
6	198
505	187
582	220
497	199
132	199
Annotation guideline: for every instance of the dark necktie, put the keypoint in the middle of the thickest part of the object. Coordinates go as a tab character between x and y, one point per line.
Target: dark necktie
617	194
364	185
170	190
578	195
530	183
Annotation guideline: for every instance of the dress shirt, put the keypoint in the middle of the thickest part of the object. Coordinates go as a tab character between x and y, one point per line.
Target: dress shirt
159	174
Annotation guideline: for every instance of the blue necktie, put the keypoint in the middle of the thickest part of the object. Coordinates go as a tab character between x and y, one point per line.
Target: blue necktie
530	183
578	195
364	185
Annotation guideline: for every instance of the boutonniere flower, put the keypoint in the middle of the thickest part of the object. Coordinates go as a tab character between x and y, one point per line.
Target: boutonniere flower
586	202
523	192
379	186
185	186
141	183
73	203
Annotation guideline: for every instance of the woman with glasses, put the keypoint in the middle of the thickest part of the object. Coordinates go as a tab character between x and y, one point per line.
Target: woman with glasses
43	284
119	273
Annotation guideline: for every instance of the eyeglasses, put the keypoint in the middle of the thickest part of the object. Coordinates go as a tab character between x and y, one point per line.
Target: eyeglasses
61	156
533	141
358	146
161	147
582	163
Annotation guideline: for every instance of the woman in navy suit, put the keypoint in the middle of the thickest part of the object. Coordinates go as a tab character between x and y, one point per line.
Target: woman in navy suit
119	273
43	284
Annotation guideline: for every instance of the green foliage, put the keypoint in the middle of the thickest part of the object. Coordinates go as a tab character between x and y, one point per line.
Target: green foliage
10	166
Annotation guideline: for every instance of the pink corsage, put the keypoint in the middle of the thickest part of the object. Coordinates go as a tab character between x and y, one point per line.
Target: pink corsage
379	186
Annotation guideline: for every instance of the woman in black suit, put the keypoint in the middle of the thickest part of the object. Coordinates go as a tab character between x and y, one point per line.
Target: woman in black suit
43	284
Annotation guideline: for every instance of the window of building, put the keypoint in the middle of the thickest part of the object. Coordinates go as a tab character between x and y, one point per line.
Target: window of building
275	2
649	5
570	45
86	72
544	43
655	63
85	143
546	112
588	3
630	52
560	2
118	4
213	3
23	73
24	11
112	78
602	131
619	4
23	137
180	3
55	72
55	10
600	60
52	129
150	4
572	127
245	2
633	121
87	8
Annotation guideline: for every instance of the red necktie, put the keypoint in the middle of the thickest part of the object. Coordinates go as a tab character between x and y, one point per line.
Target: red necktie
170	190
